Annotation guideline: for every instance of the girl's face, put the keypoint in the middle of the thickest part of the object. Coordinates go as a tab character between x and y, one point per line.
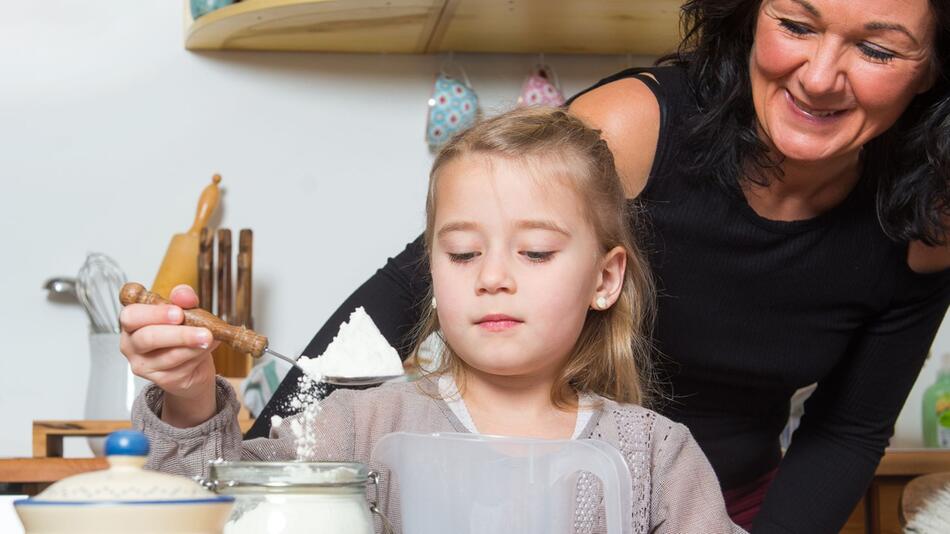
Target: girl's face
515	266
829	75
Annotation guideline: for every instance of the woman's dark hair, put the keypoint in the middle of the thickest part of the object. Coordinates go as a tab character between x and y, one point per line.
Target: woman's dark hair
909	163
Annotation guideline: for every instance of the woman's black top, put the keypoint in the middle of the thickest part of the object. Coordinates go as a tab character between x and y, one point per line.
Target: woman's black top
749	310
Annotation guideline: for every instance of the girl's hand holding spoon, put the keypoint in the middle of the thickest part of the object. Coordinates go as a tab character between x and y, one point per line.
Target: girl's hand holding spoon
176	357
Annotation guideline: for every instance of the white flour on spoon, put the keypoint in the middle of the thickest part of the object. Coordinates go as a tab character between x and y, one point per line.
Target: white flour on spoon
358	350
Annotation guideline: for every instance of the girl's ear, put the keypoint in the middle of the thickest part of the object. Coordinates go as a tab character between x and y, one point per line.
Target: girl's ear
610	282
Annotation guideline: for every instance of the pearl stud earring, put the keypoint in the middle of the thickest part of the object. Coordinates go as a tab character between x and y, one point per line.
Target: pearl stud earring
601	303
433	303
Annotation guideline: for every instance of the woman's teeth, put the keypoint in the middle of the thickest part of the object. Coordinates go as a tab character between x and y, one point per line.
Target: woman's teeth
813	112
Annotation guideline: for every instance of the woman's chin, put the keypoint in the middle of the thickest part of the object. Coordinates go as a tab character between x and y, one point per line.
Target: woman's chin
810	150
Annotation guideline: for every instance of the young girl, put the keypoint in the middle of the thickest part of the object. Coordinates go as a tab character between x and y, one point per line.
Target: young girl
535	286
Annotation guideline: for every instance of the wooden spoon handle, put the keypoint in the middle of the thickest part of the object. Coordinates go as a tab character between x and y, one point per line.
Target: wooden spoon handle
239	337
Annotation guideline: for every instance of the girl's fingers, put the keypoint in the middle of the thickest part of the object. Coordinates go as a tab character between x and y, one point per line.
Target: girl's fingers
136	316
158	336
179	379
184	295
170	360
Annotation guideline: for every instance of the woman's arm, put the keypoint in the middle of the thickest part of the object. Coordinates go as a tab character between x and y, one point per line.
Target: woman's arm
850	418
628	115
926	259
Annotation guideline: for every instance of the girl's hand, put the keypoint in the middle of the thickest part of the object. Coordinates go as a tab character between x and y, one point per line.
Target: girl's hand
177	358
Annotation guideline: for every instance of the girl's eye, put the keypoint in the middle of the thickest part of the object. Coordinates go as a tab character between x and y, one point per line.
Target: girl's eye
538	257
875	54
462	257
794	27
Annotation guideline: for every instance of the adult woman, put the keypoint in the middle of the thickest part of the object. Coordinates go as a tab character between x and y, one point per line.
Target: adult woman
814	119
785	253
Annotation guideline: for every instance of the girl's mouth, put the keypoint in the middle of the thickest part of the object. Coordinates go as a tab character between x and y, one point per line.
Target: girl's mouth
497	322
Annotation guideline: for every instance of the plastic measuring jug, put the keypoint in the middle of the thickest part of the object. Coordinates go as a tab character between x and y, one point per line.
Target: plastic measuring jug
475	484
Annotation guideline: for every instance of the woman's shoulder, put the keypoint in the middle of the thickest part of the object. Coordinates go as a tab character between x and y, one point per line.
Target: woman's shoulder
627	113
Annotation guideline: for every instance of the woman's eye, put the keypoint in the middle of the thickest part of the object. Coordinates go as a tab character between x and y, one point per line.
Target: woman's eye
538	257
462	257
875	54
794	27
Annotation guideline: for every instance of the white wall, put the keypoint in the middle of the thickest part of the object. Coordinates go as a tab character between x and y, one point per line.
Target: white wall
109	129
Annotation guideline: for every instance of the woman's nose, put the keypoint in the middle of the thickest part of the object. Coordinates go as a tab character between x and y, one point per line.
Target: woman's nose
495	275
824	71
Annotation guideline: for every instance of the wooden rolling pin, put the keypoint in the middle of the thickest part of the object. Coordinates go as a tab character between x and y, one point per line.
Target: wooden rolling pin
239	337
180	264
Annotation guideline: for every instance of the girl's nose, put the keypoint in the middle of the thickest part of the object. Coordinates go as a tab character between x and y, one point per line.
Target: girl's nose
495	275
824	72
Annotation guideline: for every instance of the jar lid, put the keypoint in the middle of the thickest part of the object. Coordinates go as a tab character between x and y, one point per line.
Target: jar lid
287	475
125	480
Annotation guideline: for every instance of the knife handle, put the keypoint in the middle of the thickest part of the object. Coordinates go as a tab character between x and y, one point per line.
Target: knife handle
239	337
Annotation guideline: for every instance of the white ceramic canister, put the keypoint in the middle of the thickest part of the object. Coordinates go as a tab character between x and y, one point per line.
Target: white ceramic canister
125	498
297	497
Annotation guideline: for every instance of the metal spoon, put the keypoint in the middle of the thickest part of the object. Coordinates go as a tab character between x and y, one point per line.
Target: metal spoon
359	380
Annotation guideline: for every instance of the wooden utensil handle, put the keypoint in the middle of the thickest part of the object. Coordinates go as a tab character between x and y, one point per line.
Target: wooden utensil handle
206	205
239	337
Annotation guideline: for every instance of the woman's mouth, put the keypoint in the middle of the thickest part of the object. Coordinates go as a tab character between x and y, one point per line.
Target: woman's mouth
497	322
813	114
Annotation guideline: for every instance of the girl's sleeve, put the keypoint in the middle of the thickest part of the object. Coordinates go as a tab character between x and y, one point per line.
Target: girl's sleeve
188	451
392	297
686	496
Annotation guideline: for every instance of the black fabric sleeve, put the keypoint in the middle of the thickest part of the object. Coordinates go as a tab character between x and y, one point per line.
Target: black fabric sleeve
391	297
850	418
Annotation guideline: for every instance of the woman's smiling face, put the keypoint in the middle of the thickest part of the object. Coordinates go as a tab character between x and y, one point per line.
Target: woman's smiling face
827	76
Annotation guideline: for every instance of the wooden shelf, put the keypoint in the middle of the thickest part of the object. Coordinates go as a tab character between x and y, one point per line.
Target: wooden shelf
642	27
48	435
913	462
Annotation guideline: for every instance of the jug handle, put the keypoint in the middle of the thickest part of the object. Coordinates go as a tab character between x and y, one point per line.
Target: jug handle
388	528
611	468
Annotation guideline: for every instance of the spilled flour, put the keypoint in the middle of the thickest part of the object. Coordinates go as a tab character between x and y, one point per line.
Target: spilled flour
306	402
357	350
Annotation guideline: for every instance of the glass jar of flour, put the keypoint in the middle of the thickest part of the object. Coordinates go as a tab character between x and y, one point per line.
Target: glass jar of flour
296	497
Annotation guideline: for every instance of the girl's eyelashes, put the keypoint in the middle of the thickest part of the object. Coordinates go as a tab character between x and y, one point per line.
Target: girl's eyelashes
462	257
538	256
872	52
532	255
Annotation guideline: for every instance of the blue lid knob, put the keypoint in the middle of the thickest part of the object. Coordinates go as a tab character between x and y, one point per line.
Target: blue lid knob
127	443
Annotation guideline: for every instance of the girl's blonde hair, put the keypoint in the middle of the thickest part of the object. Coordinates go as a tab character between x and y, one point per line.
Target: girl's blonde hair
612	354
